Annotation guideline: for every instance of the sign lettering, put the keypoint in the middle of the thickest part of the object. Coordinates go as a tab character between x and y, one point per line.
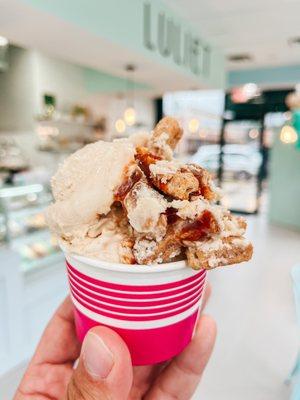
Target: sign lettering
164	35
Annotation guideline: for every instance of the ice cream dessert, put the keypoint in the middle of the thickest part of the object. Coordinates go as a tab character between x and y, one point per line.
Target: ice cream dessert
130	201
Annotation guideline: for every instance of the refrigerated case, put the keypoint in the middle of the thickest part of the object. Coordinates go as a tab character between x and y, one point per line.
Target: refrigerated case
23	227
244	125
241	160
32	272
199	112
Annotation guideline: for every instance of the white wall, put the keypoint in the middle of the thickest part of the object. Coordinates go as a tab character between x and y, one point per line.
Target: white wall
17	91
31	74
60	78
66	82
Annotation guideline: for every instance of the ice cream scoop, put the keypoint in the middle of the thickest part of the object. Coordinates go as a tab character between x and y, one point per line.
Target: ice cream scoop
130	201
84	186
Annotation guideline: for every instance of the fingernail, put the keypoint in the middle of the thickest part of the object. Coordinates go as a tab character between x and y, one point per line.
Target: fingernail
97	358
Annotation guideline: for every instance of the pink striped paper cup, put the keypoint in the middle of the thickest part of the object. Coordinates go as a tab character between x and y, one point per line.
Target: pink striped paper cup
153	308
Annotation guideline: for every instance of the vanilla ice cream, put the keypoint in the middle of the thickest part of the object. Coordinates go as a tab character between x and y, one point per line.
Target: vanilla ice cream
83	189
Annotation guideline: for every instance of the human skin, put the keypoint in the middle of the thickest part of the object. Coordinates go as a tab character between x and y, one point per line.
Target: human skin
104	369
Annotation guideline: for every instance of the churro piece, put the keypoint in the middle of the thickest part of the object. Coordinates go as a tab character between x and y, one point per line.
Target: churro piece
180	186
168	176
132	175
180	181
144	159
145	209
233	225
179	233
206	187
203	226
165	137
144	206
148	251
212	237
219	252
126	253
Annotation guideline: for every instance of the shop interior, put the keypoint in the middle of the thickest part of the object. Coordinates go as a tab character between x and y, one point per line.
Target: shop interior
66	81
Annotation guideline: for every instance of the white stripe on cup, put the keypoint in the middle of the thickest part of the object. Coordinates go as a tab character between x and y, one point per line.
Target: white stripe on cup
200	278
135	324
198	286
194	295
137	315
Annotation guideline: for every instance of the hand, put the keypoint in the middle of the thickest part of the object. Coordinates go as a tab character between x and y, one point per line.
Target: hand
104	370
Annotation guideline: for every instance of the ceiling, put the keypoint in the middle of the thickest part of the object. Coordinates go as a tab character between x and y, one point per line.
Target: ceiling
261	28
31	28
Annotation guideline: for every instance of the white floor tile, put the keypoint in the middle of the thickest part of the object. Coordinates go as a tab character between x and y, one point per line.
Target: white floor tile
257	332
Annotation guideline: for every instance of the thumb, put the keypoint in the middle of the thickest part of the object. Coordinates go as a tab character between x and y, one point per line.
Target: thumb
104	370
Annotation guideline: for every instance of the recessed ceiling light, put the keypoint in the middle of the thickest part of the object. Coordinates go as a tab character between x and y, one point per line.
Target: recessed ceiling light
239	57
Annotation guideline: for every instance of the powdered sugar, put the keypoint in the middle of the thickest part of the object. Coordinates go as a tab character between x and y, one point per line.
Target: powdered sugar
144	208
161	143
163	167
144	249
190	209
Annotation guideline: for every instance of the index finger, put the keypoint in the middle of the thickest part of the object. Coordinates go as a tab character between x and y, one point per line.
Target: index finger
59	343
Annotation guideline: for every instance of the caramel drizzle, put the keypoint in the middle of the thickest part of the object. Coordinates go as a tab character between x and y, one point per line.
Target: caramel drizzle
200	228
172	216
204	189
127	185
145	159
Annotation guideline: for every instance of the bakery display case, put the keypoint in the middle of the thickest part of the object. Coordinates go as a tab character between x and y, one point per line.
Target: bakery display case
12	160
32	272
23	227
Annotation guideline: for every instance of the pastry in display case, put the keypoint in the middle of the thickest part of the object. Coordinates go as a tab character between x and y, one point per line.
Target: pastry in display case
66	133
12	160
22	225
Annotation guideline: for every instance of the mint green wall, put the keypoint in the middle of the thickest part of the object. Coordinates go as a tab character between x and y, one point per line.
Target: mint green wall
121	22
289	74
97	81
285	185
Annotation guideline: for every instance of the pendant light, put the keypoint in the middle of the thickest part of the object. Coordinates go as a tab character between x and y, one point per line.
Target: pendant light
193	125
130	112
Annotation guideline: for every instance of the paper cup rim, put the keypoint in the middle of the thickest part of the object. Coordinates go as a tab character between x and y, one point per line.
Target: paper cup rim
130	268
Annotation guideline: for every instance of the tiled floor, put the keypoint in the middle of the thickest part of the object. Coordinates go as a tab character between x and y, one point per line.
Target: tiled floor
257	333
254	309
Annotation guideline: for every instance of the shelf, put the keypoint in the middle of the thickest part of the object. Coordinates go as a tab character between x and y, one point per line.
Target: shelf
28	242
64	122
16	191
39	235
28	235
28	210
34	265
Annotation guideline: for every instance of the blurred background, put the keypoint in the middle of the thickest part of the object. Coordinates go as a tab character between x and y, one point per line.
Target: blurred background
75	72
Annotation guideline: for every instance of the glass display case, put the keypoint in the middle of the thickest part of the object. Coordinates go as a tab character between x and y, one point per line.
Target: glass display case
23	227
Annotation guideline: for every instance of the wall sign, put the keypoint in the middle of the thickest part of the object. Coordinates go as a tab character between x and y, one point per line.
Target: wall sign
164	35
